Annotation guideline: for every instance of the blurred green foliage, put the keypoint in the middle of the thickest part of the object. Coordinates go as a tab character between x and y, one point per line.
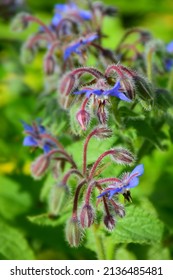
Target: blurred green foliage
20	197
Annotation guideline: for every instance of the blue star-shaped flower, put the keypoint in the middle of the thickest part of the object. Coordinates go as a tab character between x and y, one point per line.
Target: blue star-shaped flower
34	137
115	91
70	9
75	46
131	181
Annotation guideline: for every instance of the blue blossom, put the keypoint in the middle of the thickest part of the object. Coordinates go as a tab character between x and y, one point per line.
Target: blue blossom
169	60
37	136
169	47
129	181
70	9
75	46
115	91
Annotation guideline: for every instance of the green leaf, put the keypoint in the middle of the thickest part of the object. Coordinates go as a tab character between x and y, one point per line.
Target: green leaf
138	226
12	201
13	245
45	220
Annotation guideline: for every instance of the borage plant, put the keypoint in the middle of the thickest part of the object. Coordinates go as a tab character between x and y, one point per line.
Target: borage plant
120	100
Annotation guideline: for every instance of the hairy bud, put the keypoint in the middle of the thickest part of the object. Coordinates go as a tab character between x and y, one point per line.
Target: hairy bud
119	209
83	118
87	216
109	222
122	156
49	65
103	132
73	232
20	23
58	198
40	166
67	84
27	53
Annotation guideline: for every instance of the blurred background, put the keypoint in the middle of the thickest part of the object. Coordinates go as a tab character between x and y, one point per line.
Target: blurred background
20	86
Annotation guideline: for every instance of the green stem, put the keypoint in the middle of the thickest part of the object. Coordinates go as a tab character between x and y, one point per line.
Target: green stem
99	244
170	81
149	64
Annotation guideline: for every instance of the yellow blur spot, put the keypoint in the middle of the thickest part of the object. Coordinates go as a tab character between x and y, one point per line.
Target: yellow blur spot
26	168
7	168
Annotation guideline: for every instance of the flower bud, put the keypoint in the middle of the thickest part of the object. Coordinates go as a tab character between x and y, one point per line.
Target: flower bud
83	118
20	22
103	132
40	166
102	114
49	65
73	232
119	209
122	156
67	84
87	216
109	222
57	199
27	53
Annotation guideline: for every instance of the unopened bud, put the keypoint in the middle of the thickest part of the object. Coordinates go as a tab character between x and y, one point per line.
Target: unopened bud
102	114
58	199
119	209
87	216
83	118
73	232
67	84
122	156
20	22
103	132
27	53
109	222
49	65
40	166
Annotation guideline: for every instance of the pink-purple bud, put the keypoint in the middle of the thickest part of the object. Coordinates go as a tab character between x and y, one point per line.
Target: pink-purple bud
103	132
109	222
49	65
87	216
102	114
73	232
122	156
67	84
83	118
119	209
40	166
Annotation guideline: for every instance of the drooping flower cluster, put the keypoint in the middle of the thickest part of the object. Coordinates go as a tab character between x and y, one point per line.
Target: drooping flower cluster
89	178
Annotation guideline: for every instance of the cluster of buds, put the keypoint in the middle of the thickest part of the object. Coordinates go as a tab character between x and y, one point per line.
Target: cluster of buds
88	179
67	37
118	81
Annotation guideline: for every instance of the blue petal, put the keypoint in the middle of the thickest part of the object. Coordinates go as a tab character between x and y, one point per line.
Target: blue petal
46	148
169	47
29	141
81	91
116	190
90	38
139	169
61	7
103	193
27	127
42	129
120	95
86	15
71	49
132	183
56	19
